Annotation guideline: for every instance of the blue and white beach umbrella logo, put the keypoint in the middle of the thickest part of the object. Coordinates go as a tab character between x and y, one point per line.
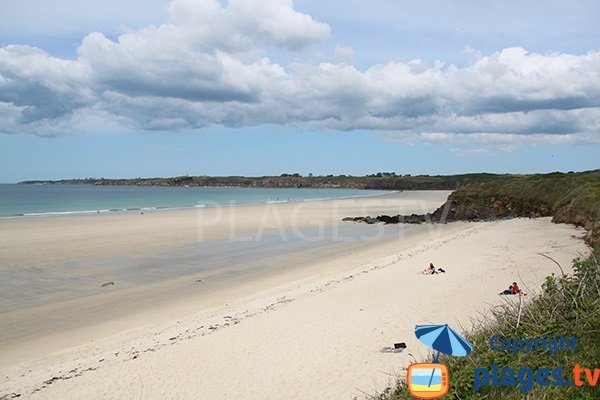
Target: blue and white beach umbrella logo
431	380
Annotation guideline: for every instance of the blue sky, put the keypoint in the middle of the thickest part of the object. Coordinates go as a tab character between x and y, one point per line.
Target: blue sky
249	87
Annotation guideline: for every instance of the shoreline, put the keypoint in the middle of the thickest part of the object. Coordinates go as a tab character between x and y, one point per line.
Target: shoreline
230	203
46	254
315	327
35	241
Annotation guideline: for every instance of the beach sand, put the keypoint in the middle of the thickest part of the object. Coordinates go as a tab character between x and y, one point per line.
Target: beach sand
317	328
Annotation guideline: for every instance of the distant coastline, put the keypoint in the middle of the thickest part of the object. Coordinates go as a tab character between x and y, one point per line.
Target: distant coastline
378	181
570	197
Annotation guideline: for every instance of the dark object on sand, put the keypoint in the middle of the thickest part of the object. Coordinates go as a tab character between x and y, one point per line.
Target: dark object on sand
107	284
432	271
398	348
394	219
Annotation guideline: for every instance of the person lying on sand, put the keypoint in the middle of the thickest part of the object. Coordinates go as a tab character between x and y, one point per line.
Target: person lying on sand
431	270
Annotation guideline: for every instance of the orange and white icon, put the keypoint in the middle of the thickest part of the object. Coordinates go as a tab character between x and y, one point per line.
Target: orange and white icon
427	380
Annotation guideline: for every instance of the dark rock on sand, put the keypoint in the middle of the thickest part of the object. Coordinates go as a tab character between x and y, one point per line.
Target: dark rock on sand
395	219
465	209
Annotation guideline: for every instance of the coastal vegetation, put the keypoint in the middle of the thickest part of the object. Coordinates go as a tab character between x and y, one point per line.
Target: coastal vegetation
569	305
572	198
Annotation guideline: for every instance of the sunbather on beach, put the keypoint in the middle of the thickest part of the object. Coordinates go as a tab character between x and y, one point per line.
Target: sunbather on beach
431	270
513	289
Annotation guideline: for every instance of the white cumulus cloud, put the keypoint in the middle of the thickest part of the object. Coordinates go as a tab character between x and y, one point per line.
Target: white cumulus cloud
207	66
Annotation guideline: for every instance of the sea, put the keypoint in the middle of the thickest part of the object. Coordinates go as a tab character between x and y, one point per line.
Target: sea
50	199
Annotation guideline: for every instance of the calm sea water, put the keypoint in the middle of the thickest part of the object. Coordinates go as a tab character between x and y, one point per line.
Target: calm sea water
31	200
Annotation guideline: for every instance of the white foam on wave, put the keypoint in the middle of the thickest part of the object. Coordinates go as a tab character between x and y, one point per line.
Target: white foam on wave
41	214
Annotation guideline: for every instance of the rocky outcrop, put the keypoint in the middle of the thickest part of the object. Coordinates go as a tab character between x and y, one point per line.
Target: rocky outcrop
489	208
465	210
396	219
458	208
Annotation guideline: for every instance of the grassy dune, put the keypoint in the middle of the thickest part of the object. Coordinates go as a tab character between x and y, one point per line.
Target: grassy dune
569	198
568	305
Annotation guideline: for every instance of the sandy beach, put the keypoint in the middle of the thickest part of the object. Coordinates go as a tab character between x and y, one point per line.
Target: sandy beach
304	310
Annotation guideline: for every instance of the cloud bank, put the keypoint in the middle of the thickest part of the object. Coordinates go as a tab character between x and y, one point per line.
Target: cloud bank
208	66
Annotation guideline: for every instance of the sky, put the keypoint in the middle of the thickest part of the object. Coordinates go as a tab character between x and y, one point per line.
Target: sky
264	87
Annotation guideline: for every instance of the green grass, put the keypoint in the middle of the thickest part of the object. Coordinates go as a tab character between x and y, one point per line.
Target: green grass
568	305
556	190
569	198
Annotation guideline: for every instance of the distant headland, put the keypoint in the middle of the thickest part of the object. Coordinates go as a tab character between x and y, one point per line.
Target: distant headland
377	181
